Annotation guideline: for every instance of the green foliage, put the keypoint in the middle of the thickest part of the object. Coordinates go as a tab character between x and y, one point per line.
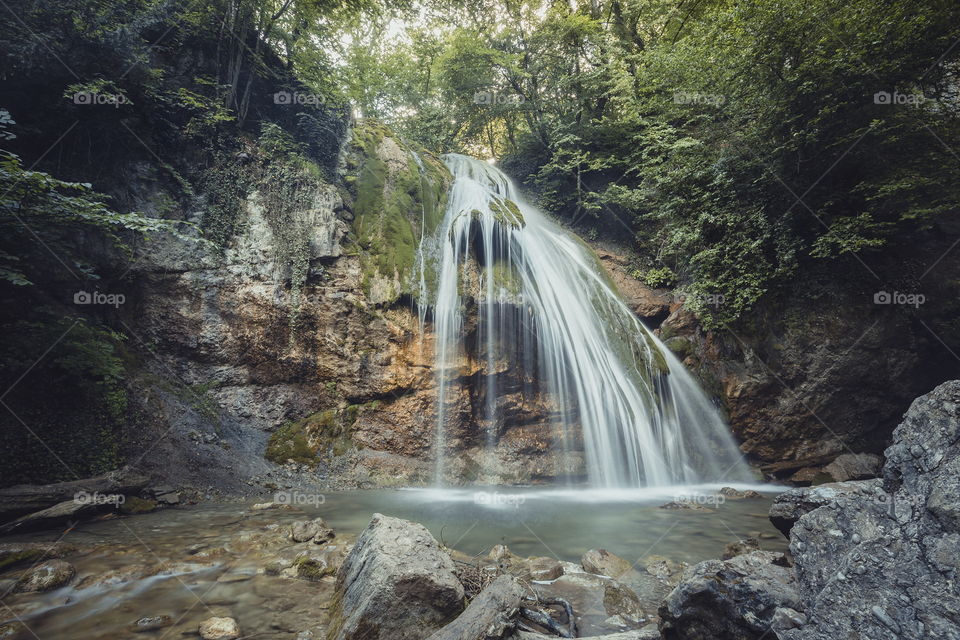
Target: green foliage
225	184
46	228
41	218
207	113
737	144
658	277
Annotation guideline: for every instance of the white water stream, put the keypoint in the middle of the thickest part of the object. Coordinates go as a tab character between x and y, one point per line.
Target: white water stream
545	306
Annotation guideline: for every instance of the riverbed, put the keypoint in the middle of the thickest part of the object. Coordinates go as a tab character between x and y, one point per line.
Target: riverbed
183	565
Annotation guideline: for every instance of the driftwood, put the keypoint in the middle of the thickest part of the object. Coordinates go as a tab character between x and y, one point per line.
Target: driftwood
488	616
475	577
28	498
64	512
567	609
545	621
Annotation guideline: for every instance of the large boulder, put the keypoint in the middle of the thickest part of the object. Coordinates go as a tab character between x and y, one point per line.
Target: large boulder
884	565
873	559
604	563
738	599
790	505
396	584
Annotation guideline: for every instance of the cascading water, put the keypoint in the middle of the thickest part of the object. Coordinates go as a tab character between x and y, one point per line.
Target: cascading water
544	304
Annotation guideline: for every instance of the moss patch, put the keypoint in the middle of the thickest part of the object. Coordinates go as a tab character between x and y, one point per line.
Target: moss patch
507	212
289	442
680	346
327	433
394	207
311	569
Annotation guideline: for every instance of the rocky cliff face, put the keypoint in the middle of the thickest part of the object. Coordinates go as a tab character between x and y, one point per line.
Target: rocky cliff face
299	339
300	326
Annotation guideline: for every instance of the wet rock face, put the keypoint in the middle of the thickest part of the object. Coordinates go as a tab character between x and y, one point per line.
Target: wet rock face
884	565
396	584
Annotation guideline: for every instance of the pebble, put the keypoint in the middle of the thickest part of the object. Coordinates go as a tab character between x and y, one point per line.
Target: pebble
151	623
219	629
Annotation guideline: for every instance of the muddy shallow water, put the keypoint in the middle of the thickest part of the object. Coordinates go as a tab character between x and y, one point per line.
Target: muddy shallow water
190	563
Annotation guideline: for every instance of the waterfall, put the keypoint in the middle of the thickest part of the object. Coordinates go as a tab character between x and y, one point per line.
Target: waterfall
542	306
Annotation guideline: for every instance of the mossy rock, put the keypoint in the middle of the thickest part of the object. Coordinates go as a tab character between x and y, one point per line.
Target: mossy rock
397	201
507	212
312	569
680	346
133	505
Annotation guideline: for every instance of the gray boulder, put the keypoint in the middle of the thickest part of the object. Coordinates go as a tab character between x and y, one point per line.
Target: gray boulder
396	584
604	563
790	506
884	565
854	466
736	599
306	530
